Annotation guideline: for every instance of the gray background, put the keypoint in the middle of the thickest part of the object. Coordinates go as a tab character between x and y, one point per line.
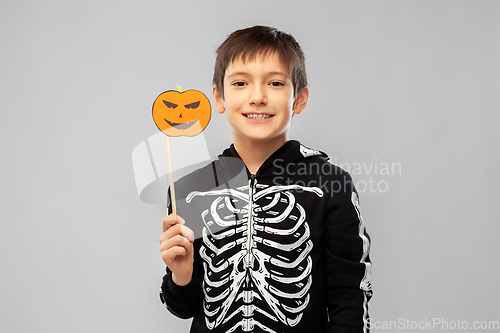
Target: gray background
409	82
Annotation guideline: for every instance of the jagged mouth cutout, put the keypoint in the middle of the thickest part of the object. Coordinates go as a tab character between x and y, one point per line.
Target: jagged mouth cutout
181	126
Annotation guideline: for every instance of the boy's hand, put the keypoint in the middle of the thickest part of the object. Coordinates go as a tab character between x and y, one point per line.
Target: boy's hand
176	245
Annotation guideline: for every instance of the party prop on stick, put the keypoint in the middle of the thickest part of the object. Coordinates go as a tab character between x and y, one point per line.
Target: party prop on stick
180	113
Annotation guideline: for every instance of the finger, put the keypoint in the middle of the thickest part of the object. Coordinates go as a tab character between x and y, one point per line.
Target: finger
177	240
178	229
170	220
187	233
169	255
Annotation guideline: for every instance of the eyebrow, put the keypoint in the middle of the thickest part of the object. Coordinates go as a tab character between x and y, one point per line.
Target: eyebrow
245	73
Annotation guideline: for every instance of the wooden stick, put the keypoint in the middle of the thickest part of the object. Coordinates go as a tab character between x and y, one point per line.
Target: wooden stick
171	176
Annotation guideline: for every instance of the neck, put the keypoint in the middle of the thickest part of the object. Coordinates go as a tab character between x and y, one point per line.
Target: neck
254	153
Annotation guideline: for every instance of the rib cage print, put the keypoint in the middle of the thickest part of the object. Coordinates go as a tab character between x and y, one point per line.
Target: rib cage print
259	265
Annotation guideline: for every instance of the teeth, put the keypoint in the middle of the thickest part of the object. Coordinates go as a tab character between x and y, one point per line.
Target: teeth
257	116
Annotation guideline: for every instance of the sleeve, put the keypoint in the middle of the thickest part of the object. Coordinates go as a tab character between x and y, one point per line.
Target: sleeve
348	266
182	301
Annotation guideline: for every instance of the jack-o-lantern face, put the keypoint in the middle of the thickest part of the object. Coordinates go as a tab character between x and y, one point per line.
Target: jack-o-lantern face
178	113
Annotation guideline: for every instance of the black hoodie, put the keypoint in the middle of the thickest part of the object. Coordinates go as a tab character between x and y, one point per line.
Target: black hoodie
284	250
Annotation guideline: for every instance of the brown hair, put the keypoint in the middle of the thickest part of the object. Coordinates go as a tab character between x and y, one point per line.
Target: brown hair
261	40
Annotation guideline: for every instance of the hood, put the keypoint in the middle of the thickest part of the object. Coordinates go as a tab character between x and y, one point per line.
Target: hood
291	152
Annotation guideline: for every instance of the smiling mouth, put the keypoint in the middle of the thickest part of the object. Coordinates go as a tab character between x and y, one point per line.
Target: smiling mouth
258	116
181	126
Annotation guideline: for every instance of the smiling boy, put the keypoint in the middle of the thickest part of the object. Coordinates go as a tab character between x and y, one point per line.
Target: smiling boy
259	102
292	252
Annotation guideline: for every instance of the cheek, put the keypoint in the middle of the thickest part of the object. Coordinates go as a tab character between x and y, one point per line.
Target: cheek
288	96
231	103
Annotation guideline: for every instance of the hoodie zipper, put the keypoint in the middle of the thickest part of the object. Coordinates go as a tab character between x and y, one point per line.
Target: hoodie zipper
249	258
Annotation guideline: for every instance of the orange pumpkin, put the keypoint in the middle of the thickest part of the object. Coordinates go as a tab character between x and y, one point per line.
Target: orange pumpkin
181	113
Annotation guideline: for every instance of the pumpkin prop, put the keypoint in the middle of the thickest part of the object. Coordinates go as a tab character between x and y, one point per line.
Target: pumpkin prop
180	113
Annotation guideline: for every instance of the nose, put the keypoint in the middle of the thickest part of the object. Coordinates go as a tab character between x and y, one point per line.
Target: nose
258	96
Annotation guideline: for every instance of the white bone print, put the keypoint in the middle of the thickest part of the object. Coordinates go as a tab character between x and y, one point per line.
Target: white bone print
259	264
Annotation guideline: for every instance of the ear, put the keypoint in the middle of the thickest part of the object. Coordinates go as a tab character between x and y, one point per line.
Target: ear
219	101
301	101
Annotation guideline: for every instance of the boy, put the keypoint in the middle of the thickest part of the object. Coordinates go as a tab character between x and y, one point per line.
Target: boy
291	251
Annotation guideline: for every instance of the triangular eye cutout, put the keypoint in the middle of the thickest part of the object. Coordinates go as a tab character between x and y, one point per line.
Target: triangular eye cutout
192	105
170	105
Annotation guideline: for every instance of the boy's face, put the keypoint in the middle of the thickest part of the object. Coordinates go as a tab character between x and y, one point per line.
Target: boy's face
258	100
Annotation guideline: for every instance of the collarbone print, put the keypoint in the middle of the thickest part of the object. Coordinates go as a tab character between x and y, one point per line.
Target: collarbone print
259	265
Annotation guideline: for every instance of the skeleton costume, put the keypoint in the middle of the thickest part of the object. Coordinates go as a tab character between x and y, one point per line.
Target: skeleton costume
284	250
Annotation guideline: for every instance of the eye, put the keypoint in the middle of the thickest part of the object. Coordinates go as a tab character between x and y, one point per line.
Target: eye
239	83
170	105
277	84
192	105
